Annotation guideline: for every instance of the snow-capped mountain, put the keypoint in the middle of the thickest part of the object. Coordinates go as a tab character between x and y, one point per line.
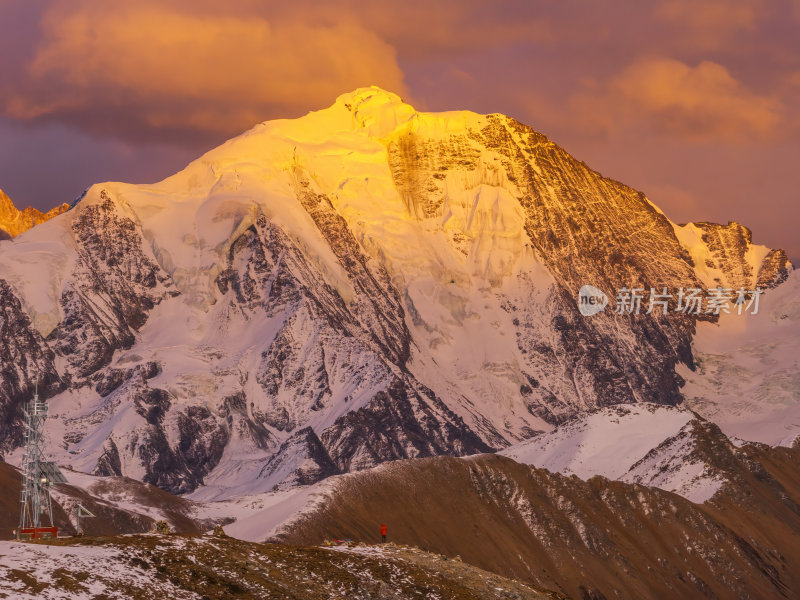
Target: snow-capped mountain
362	284
14	221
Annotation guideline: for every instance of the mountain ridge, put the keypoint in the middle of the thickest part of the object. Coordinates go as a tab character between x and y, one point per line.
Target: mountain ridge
585	539
402	283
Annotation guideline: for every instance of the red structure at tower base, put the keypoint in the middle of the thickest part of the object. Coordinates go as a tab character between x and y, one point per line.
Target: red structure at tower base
37	533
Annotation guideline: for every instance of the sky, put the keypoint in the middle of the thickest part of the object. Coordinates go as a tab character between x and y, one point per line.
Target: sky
694	102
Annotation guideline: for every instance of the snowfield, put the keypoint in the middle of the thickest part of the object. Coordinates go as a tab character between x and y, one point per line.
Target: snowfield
748	376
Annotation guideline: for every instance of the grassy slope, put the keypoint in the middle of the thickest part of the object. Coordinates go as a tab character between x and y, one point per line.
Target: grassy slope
597	537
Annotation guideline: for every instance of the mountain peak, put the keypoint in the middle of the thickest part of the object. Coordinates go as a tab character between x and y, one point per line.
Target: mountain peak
365	268
6	205
376	110
372	94
14	221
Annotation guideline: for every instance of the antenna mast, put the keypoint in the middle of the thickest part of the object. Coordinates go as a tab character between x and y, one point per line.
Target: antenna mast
37	477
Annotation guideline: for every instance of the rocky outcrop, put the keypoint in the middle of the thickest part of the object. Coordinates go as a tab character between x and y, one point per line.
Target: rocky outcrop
112	289
774	270
14	221
109	463
301	460
729	249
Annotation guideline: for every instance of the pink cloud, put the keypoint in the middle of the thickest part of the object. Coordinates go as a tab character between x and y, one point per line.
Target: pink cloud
699	103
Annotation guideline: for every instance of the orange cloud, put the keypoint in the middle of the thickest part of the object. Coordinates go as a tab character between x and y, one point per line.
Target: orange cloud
141	67
701	103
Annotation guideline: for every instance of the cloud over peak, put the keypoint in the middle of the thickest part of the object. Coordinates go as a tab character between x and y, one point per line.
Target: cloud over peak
137	70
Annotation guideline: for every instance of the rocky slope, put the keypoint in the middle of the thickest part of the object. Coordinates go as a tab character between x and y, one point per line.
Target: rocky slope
364	284
14	221
220	568
120	506
587	539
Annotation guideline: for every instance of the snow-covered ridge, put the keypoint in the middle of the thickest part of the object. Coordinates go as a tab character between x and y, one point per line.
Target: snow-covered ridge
724	255
641	443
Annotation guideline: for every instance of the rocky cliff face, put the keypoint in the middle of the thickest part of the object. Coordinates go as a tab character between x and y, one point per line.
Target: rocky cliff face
14	221
27	364
586	229
113	286
364	284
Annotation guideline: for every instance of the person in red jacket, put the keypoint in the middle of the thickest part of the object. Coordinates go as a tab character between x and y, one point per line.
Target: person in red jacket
383	532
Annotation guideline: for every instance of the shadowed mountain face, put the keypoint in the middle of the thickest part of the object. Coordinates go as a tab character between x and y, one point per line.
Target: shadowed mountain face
364	284
586	539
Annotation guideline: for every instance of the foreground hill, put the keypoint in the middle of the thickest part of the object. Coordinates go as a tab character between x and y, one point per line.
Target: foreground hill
219	568
586	539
